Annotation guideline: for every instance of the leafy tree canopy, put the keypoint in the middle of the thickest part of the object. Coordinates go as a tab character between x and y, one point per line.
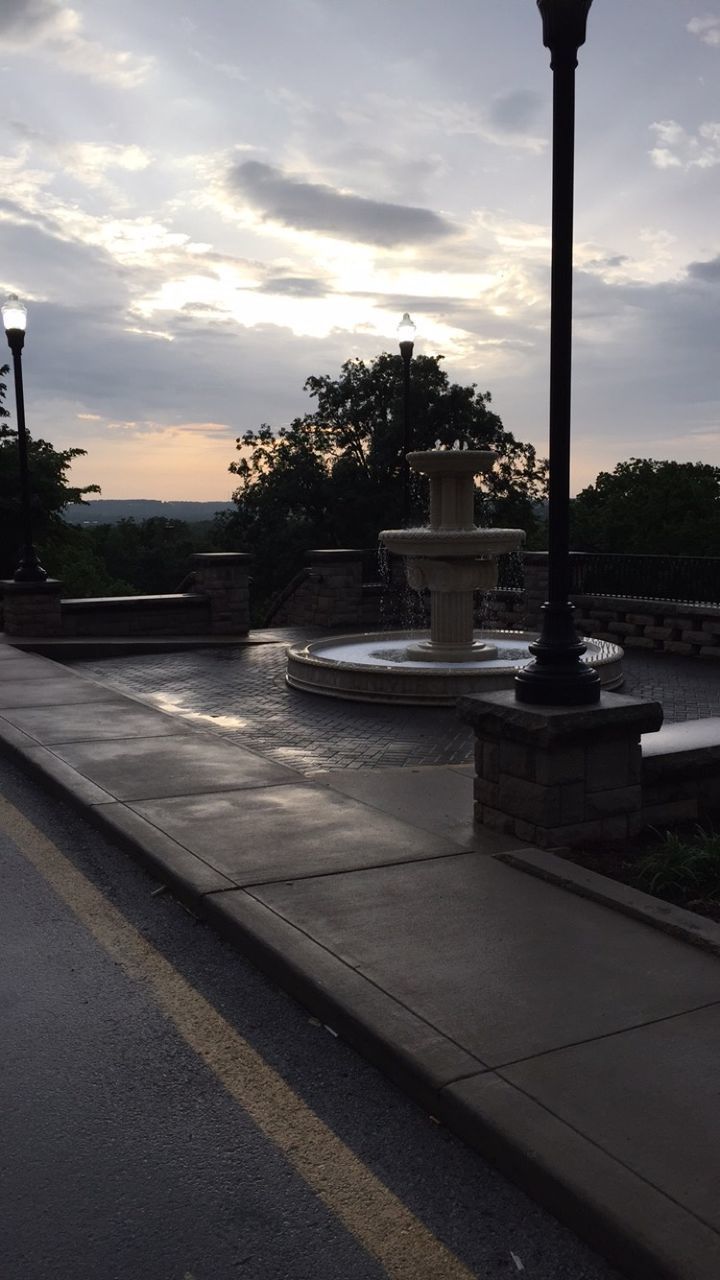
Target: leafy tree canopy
51	492
334	476
649	507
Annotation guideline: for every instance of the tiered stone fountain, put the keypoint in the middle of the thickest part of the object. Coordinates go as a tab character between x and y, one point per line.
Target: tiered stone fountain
452	558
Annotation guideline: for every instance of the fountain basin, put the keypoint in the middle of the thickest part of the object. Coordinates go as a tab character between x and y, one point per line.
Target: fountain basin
378	667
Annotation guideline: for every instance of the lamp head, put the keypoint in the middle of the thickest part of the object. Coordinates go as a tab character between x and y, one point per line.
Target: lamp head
14	314
406	330
564	27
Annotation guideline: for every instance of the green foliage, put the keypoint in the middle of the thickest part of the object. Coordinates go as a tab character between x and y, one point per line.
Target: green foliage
51	491
147	557
72	557
682	869
648	507
334	476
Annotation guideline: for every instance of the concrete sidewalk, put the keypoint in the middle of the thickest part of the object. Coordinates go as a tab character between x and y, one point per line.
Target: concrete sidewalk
576	1047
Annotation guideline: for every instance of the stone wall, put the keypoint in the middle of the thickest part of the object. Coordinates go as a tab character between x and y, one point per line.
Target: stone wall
554	776
132	616
223	578
327	593
657	625
218	604
32	608
330	592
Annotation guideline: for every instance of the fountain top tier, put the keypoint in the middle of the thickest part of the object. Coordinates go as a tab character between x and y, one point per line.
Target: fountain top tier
452	531
452	490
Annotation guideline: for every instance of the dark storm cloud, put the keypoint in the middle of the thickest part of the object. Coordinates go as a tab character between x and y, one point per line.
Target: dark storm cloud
312	206
709	270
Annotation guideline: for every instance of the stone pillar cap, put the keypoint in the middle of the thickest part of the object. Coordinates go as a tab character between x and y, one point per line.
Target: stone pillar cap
221	557
499	715
51	586
335	553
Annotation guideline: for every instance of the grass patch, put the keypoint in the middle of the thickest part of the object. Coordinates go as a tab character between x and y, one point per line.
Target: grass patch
684	867
681	866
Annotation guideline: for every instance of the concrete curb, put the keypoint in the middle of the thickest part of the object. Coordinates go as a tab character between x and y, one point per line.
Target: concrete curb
621	897
639	1229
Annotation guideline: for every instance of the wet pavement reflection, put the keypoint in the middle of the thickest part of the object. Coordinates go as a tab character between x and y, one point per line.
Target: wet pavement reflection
241	693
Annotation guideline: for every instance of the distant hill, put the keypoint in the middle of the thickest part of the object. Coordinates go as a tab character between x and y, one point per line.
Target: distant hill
110	510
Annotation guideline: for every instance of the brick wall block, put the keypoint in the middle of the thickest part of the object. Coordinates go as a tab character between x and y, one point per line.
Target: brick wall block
566	764
607	765
536	804
694	637
659	633
605	804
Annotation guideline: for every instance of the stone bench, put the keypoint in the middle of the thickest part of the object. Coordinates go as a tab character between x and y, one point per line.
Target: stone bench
681	771
184	613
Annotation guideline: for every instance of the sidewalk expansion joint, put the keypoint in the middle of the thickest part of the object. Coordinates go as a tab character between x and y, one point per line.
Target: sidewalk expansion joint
400	1004
610	1154
606	1035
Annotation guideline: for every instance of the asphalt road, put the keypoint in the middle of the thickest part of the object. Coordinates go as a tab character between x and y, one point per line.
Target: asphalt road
168	1114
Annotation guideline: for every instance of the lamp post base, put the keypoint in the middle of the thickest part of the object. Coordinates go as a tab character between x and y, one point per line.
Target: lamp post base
557	677
30	569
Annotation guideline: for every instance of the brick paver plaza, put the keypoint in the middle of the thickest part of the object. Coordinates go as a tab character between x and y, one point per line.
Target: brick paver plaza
241	693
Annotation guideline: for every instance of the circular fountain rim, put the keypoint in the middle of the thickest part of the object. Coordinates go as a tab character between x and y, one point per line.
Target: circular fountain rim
436	684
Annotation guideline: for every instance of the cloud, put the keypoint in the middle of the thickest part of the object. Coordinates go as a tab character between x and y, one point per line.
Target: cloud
709	271
707	28
313	206
677	149
55	31
513	113
87	162
296	286
505	122
137	428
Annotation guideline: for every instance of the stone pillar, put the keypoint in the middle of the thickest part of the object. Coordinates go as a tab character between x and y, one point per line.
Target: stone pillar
535	566
559	775
32	609
224	577
337	580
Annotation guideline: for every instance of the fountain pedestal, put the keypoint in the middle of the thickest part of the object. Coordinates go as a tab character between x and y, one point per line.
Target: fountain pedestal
452	558
452	584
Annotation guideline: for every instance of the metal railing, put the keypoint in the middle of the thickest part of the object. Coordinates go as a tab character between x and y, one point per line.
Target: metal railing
682	579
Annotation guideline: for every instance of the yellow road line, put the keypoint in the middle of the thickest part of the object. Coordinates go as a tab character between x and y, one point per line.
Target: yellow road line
378	1219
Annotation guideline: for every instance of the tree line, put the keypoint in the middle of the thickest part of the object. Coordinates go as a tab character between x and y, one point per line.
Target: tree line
333	477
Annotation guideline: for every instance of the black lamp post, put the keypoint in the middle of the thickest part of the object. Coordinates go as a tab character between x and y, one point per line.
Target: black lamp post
556	676
406	335
14	316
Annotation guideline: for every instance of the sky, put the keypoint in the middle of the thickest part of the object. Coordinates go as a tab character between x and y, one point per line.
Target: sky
204	205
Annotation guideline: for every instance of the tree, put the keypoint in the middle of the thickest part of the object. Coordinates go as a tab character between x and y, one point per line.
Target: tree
334	476
650	507
51	492
148	556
